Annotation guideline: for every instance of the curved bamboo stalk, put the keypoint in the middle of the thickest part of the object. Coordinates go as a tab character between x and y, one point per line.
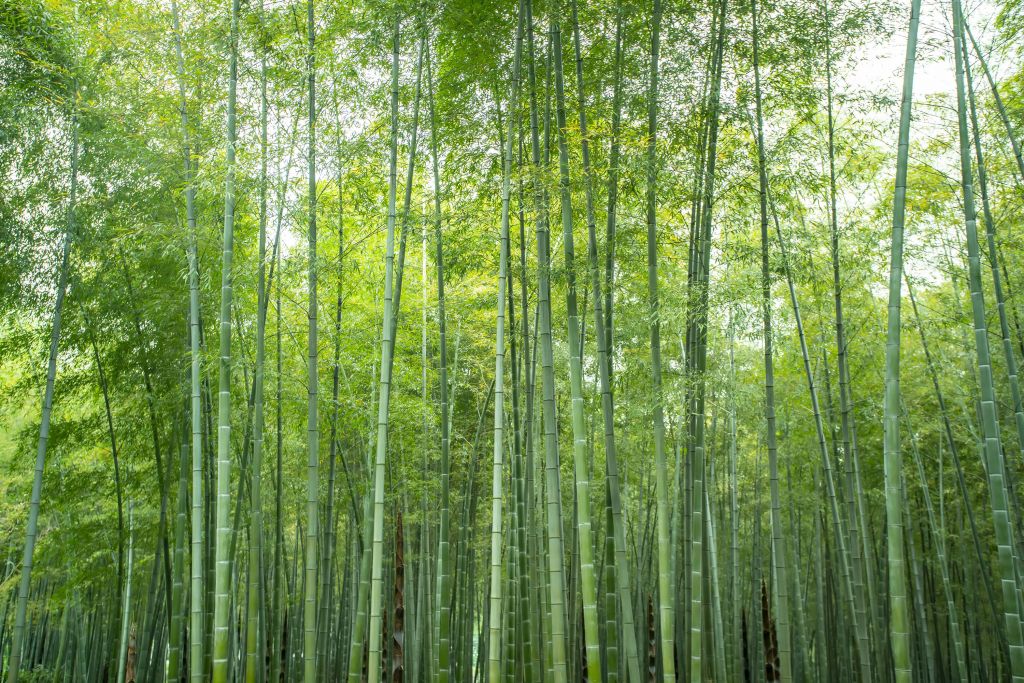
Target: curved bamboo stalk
21	611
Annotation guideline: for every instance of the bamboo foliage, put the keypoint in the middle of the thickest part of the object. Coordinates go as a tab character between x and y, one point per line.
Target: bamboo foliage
442	541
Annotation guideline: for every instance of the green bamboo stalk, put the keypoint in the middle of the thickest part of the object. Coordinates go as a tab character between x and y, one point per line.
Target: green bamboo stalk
822	652
697	361
20	617
279	580
926	648
708	137
177	633
355	661
410	169
523	623
254	669
587	580
611	605
383	401
197	542
494	618
309	624
795	592
858	563
940	556
899	615
556	578
614	153
734	641
222	575
325	642
666	592
122	649
444	544
839	530
989	422
717	625
994	259
1000	107
780	583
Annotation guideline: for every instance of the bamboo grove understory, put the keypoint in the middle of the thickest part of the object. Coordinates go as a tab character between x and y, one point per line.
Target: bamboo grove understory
616	268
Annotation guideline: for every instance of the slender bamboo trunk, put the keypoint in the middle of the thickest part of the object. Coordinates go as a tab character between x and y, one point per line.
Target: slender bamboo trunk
387	349
255	628
176	636
20	617
324	646
196	586
113	452
839	528
222	576
403	221
556	578
780	583
614	154
494	616
666	592
1015	144
736	634
849	450
894	495
444	531
122	649
697	360
279	579
309	625
587	580
940	555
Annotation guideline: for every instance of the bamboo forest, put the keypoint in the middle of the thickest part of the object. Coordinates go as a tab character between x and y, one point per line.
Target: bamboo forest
511	341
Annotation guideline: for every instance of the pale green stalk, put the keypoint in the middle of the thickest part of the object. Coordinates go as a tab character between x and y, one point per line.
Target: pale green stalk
312	416
587	577
494	618
383	401
222	573
899	614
